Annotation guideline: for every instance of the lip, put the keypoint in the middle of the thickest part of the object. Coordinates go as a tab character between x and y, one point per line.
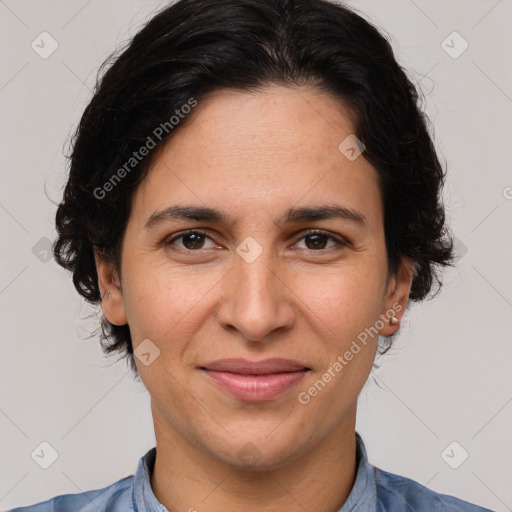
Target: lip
255	381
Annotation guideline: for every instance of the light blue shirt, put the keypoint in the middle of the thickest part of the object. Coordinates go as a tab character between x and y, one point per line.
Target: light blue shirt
374	490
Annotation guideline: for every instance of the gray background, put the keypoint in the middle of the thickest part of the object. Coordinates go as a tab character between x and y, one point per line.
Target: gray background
448	377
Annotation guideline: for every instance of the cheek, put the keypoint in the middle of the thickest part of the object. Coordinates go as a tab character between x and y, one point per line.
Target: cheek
343	311
345	301
163	302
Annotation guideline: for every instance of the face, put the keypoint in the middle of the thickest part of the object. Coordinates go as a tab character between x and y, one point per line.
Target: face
268	278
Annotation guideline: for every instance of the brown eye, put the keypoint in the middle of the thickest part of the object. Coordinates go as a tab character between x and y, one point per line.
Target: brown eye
318	240
190	240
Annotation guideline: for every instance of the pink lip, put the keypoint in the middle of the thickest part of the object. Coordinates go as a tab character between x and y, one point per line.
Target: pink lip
255	381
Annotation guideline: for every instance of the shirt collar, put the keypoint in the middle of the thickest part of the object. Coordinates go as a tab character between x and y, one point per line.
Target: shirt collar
362	497
143	498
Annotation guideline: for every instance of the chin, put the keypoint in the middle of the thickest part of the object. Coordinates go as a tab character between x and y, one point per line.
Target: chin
259	452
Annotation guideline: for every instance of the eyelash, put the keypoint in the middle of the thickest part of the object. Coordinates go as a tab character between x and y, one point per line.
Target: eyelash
339	241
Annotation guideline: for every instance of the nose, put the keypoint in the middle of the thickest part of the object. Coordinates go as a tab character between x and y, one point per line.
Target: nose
257	300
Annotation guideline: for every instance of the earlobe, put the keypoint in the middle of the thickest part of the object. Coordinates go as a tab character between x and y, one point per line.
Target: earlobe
112	300
397	297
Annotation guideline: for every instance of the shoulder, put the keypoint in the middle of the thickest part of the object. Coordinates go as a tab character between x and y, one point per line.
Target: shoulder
400	494
112	498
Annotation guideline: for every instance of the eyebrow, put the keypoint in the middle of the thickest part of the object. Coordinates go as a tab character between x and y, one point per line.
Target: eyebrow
291	216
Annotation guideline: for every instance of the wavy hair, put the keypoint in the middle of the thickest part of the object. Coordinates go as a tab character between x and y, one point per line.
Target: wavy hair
194	47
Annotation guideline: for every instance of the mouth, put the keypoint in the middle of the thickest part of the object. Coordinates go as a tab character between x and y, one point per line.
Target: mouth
255	381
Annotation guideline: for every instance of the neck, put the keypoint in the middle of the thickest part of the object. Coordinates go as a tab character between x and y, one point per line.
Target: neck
188	477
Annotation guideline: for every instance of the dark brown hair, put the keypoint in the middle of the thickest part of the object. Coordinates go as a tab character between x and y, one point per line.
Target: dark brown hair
193	47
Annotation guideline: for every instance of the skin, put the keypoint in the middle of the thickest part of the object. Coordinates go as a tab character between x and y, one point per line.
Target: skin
253	156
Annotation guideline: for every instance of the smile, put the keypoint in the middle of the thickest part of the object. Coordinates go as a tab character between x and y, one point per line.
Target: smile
255	388
255	381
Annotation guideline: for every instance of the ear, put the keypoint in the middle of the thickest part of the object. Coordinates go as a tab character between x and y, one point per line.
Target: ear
397	296
112	301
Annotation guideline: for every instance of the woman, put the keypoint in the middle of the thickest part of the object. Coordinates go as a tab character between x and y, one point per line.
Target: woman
254	199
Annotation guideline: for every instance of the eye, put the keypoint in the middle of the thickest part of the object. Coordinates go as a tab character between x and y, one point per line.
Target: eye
192	240
317	240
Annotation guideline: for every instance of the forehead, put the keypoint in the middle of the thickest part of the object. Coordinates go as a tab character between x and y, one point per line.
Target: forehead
274	122
240	151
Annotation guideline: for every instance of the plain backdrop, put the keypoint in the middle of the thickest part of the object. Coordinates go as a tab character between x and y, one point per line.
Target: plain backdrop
446	380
